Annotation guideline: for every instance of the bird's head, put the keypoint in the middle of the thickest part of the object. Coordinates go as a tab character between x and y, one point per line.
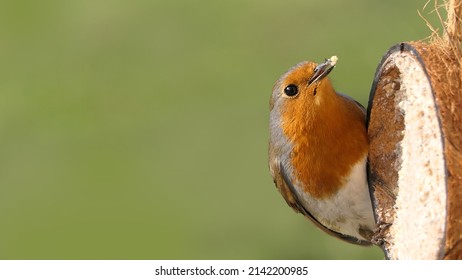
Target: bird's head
302	92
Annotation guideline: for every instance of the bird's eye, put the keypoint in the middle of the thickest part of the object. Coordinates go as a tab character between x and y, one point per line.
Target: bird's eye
291	90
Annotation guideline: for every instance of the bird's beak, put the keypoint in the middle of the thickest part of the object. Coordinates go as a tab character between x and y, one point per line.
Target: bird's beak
322	70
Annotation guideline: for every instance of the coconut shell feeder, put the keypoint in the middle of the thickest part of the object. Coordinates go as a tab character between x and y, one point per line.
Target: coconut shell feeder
414	121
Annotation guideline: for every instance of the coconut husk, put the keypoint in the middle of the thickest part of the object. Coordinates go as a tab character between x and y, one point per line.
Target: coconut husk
415	159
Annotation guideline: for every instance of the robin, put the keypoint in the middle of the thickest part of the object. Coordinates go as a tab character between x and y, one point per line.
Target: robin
318	150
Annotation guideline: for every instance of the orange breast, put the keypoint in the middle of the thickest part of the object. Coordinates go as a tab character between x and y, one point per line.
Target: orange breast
328	136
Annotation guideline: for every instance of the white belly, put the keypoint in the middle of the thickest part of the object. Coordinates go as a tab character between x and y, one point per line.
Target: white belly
349	209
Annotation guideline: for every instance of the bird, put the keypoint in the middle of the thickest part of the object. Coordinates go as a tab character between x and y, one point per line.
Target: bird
317	152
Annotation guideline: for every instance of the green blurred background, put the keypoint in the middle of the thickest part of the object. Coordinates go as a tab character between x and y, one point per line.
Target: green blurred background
138	129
